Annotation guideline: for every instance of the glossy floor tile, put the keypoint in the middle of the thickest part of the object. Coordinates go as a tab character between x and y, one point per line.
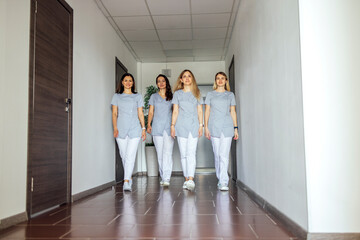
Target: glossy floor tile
154	212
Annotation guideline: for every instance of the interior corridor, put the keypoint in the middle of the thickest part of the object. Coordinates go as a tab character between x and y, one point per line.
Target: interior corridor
155	212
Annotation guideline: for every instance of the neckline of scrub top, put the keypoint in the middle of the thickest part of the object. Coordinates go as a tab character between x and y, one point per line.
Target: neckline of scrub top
161	96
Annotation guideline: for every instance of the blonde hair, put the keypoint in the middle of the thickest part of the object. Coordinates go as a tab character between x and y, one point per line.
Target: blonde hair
194	88
227	85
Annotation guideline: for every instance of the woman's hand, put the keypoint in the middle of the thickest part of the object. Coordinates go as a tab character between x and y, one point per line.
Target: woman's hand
236	134
200	131
207	133
143	135
116	133
149	129
172	131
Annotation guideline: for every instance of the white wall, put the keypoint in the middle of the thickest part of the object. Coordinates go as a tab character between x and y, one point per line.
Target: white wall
204	73
95	46
14	71
330	57
270	153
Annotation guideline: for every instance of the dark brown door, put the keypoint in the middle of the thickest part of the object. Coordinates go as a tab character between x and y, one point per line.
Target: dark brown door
233	144
120	69
50	91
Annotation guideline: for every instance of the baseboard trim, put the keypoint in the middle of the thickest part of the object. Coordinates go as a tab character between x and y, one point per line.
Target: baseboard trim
333	236
92	191
293	227
13	220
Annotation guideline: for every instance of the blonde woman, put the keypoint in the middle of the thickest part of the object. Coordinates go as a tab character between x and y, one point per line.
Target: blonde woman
187	123
221	125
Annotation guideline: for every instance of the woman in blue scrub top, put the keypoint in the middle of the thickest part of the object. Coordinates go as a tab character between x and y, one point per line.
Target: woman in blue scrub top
187	123
221	125
128	123
160	112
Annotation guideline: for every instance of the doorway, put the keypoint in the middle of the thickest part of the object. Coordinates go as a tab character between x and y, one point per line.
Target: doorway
50	111
233	144
120	69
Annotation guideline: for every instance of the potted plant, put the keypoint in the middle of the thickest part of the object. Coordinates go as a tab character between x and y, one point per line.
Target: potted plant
152	166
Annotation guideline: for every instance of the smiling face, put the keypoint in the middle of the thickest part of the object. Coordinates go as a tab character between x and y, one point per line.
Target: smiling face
220	80
186	78
127	82
161	82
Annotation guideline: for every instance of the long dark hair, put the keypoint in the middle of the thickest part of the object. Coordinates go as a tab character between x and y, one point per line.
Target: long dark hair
168	92
120	87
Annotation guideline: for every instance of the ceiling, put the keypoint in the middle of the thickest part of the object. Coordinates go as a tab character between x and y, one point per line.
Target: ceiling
173	30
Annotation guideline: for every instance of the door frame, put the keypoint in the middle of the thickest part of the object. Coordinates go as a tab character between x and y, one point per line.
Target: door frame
119	177
233	145
33	9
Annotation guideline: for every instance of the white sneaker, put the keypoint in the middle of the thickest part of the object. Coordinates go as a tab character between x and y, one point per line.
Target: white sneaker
184	185
190	185
161	182
218	185
127	186
224	187
166	183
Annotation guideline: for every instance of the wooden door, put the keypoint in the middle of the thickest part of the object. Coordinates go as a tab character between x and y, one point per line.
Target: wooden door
233	144
120	69
49	137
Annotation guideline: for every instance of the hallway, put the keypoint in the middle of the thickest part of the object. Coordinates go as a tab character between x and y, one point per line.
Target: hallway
154	212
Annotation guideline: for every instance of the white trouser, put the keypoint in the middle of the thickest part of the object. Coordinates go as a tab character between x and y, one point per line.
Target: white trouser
164	147
187	147
128	148
221	147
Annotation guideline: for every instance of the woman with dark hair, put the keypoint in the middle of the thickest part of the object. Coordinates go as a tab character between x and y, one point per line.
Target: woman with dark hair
187	123
221	125
128	123
160	111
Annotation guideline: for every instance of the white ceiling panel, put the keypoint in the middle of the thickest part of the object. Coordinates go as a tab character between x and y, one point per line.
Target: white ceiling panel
168	7
153	59
177	45
140	35
118	8
182	30
180	59
178	34
134	23
171	22
146	45
208	43
211	6
208	52
210	20
208	58
209	33
150	53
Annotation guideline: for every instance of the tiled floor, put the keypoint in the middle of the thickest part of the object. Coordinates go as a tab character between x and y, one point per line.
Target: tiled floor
154	212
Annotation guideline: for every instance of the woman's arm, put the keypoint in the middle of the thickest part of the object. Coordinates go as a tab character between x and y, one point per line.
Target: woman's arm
206	120
234	118
174	117
200	117
142	122
150	118
114	120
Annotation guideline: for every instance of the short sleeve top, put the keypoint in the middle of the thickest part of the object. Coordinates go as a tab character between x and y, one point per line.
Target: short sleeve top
187	121
162	115
128	122
220	120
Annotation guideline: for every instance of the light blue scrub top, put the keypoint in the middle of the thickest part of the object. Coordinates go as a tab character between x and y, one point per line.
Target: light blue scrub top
220	120
128	122
162	115
187	121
